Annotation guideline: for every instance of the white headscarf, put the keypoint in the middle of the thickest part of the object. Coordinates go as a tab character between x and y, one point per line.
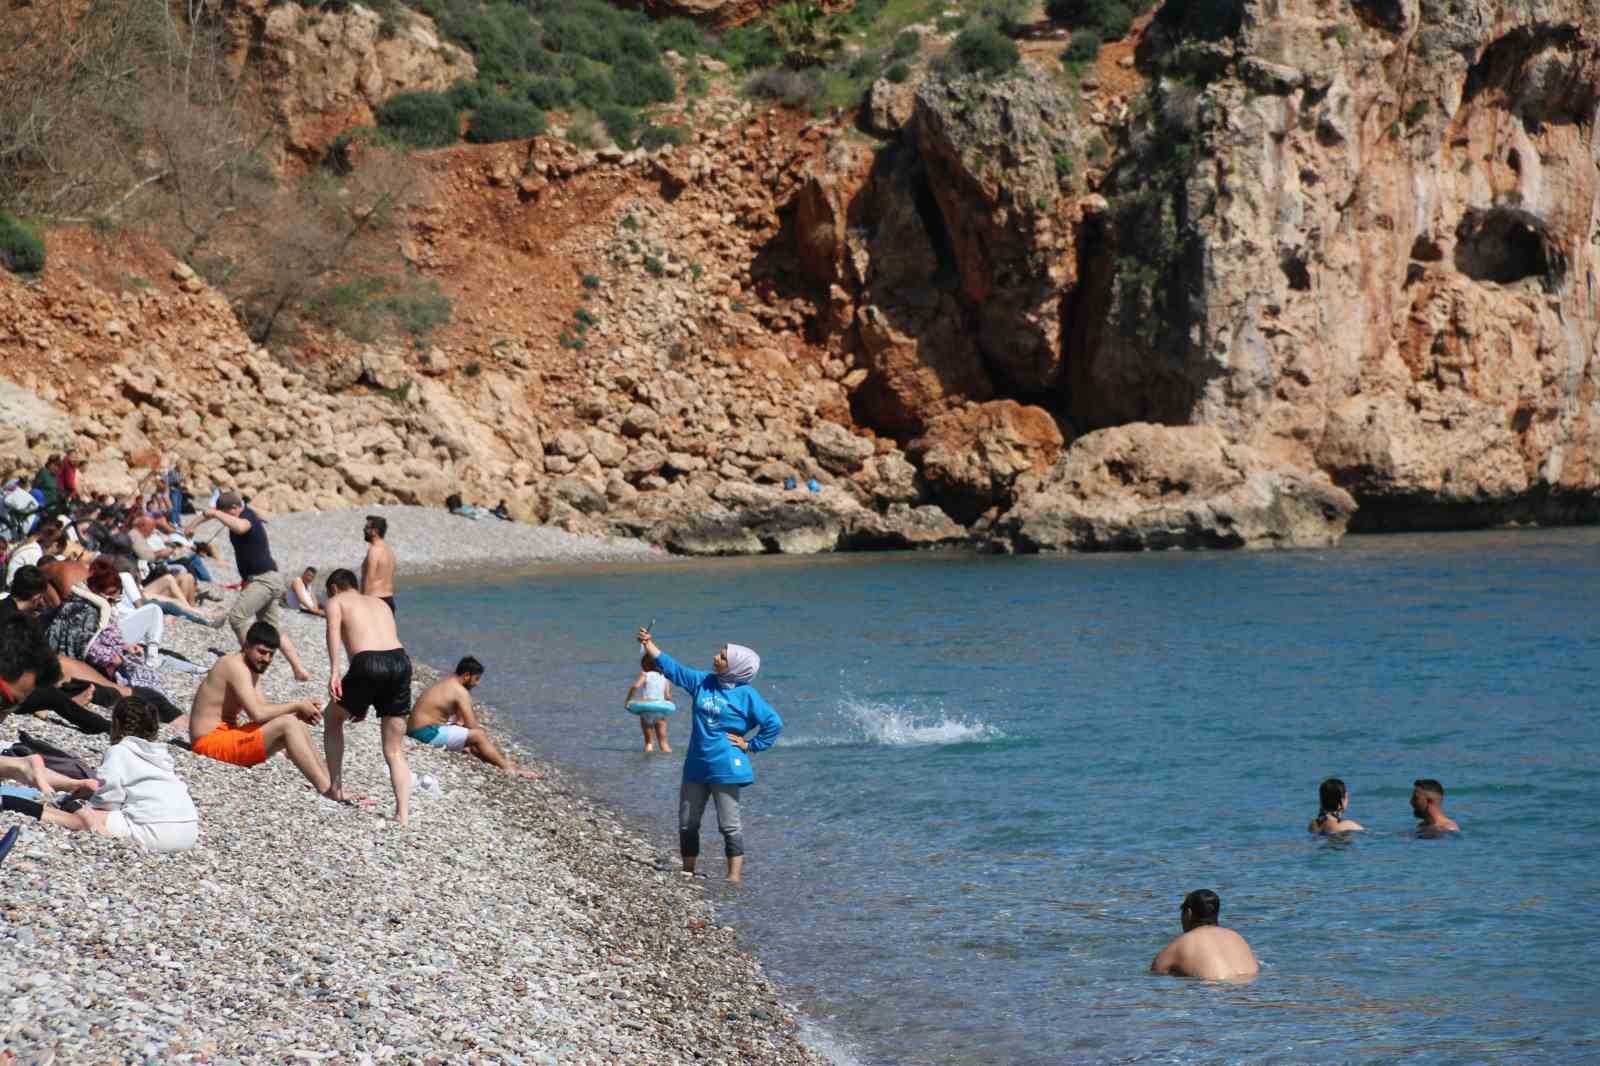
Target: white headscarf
742	666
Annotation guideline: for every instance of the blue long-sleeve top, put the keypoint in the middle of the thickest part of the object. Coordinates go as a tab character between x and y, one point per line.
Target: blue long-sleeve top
720	709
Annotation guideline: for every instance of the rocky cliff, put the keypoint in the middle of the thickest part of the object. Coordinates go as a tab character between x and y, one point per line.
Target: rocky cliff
1266	270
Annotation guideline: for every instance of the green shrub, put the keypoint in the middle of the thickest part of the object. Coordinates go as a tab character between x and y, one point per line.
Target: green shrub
420	119
1084	47
795	89
503	119
750	48
1115	21
950	23
1065	10
654	266
1207	20
549	94
697	85
620	123
21	251
577	33
984	50
907	44
864	65
1063	165
592	88
897	73
465	95
653	136
1005	15
635	43
591	281
637	84
682	36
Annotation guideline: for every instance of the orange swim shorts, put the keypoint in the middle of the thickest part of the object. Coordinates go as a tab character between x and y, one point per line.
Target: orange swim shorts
240	745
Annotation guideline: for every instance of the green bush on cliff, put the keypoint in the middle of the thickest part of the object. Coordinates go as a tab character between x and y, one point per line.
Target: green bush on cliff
620	122
984	50
549	93
1083	48
420	119
636	84
21	250
502	119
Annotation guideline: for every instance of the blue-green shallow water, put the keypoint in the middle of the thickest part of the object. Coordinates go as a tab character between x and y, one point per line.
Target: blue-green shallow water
1000	776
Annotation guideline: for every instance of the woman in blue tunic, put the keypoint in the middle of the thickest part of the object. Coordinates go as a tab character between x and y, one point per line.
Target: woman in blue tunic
726	710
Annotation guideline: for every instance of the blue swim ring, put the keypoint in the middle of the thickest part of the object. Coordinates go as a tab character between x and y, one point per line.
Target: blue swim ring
662	707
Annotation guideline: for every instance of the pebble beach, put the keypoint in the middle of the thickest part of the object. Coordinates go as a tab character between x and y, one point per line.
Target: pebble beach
513	921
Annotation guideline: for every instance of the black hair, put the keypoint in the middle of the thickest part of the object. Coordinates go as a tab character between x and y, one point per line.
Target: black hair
469	665
23	648
310	570
133	717
1331	794
1428	784
380	523
264	634
28	582
341	580
1203	906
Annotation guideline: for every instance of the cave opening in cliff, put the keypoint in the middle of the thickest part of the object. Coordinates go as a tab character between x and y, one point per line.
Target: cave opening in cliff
927	207
1507	244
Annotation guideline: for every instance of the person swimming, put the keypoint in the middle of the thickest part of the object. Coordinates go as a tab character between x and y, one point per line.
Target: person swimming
1205	949
1427	804
1333	798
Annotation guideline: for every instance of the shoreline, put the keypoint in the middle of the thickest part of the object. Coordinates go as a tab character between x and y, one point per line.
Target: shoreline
512	921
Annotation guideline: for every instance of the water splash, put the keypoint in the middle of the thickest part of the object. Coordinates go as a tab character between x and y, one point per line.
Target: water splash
880	723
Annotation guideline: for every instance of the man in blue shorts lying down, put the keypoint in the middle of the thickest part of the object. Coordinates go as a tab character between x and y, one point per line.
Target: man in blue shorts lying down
442	718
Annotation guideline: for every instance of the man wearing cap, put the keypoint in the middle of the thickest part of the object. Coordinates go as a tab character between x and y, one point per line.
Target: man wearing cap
1205	949
263	586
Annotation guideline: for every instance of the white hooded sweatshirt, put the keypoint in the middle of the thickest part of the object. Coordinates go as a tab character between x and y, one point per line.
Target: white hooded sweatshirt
137	778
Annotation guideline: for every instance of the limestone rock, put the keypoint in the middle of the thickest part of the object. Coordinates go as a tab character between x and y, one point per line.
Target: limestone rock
1144	486
972	458
889	107
29	423
837	449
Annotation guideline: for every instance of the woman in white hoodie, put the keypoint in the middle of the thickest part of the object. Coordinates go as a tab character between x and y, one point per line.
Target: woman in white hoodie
140	798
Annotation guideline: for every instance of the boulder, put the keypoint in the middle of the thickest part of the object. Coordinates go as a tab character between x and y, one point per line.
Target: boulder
837	449
889	107
28	422
581	494
1144	486
903	526
972	457
106	475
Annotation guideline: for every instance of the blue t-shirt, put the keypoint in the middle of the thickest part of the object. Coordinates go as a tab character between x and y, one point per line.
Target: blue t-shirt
720	709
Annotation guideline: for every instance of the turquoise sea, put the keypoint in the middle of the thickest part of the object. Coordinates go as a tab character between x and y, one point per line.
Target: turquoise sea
1000	776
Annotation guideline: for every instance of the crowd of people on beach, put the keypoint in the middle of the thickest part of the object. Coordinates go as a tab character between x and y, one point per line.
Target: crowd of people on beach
91	584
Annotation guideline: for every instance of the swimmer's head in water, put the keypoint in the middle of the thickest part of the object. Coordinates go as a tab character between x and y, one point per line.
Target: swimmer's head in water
469	671
1200	907
341	580
1332	796
1425	793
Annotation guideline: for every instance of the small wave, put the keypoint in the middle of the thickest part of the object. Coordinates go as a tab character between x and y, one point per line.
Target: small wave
874	722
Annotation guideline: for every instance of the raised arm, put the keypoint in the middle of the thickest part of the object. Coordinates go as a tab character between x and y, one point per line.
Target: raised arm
234	523
670	668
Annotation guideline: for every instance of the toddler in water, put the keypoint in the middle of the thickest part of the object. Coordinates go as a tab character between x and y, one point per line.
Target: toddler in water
651	686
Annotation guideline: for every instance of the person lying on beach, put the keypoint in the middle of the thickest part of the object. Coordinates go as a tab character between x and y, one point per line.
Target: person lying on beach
650	686
1333	798
30	770
1205	949
379	676
233	689
299	596
726	709
1427	803
140	797
443	718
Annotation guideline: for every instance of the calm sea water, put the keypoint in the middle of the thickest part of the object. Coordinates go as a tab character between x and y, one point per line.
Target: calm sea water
1000	776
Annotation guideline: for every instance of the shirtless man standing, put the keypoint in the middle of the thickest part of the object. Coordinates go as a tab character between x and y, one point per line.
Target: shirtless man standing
377	569
1205	949
232	687
1427	803
443	718
380	676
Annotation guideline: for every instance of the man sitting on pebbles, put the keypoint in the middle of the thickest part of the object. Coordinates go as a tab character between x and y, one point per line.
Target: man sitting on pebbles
443	718
232	688
380	676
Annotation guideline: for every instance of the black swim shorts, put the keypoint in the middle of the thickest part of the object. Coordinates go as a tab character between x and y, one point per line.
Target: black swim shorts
380	679
390	601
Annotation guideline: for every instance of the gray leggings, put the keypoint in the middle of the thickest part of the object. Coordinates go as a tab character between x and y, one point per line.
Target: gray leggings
692	798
